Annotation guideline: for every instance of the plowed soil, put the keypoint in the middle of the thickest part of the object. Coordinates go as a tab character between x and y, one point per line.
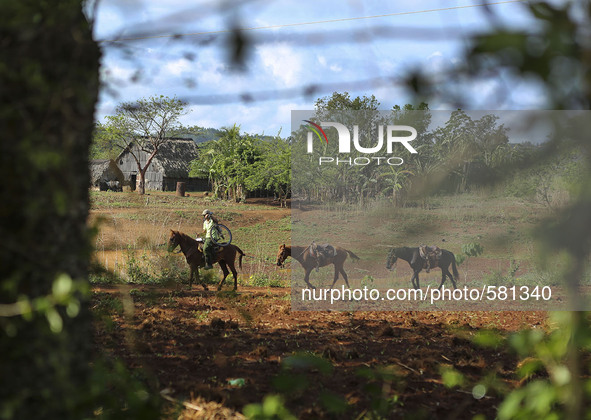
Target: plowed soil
219	351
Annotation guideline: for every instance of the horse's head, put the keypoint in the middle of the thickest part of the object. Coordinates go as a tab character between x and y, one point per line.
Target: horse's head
391	260
173	240
282	255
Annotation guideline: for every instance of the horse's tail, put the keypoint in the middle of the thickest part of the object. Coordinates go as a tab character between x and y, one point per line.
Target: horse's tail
241	255
453	266
355	257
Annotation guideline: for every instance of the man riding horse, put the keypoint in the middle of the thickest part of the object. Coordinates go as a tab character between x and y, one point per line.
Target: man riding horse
209	221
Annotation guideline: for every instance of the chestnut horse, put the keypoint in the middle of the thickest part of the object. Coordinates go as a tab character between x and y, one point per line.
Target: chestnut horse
303	255
225	257
413	257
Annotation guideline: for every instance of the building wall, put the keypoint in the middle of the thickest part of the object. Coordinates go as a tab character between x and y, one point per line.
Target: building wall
128	166
155	177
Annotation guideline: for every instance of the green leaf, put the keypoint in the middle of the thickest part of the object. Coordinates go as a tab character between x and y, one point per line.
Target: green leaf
62	287
487	338
451	377
529	367
55	320
561	375
511	405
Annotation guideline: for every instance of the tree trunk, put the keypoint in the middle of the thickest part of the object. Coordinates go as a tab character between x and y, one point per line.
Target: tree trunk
49	79
142	184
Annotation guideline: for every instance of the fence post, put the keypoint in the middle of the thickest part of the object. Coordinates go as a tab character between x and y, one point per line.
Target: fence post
180	189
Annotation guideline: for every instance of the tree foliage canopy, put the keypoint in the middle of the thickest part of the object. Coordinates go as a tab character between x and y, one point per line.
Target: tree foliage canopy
237	163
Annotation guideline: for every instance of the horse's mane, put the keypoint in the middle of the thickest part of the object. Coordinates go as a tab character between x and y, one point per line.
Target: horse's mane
184	235
186	238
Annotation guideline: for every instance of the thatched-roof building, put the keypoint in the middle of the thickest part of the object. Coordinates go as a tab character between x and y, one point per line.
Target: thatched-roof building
105	175
170	165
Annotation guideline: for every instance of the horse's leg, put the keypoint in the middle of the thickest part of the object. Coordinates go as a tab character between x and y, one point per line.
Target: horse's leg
235	274
453	280
336	276
342	270
442	279
418	286
307	277
224	268
198	279
191	276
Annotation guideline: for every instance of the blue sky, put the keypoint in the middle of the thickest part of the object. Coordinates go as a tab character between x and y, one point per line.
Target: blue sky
363	47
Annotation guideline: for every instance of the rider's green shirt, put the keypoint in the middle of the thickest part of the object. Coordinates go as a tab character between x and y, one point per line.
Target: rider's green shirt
207	225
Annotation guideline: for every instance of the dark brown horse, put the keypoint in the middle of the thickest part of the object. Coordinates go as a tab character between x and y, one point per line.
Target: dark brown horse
305	257
413	257
225	257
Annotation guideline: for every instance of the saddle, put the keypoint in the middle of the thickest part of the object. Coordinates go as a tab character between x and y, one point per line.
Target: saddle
216	248
430	254
322	250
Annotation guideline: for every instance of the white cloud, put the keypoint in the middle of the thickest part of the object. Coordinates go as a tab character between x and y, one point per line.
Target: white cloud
332	67
177	67
209	70
336	67
282	62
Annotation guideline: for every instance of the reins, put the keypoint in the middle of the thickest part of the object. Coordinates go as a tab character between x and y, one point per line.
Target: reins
307	248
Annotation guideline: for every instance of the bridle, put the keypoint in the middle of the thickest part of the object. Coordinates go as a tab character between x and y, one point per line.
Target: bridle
173	242
391	260
282	257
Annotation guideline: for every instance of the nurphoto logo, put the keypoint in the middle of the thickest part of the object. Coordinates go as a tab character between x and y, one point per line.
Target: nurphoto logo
392	136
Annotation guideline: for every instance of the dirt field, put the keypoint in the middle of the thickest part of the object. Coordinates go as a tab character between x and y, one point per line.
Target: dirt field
195	343
219	351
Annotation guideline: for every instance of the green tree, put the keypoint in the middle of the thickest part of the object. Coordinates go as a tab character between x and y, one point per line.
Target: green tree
272	171
418	117
455	145
228	162
345	182
420	165
469	147
103	146
394	178
343	102
143	126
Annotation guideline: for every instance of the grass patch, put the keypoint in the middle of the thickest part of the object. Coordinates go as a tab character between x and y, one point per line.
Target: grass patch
265	280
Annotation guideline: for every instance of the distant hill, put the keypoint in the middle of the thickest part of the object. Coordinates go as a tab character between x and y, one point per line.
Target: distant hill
202	136
208	134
